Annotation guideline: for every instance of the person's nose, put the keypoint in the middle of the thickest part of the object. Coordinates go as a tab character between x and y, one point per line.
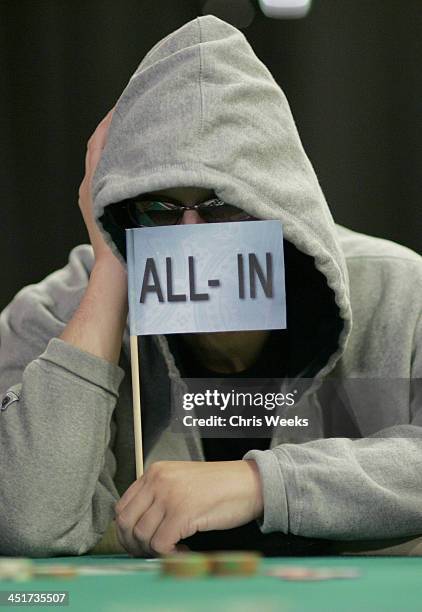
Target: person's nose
191	216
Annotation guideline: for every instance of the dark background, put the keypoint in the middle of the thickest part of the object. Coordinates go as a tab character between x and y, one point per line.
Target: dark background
351	70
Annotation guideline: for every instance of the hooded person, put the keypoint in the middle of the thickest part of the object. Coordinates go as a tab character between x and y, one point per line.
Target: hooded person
201	110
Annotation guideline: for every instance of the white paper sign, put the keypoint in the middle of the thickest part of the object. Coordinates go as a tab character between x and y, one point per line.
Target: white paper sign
206	277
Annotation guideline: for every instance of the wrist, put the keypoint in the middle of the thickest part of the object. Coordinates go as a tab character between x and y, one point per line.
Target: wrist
254	487
106	260
98	324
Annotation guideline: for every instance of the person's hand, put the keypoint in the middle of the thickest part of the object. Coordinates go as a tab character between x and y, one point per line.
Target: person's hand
175	499
95	146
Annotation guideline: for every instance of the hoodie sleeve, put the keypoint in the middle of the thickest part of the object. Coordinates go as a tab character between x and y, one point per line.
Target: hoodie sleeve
56	467
342	489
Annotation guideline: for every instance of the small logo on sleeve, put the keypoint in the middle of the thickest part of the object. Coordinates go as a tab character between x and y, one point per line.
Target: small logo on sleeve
8	399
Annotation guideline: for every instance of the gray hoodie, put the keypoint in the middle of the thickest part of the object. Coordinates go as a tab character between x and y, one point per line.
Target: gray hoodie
202	110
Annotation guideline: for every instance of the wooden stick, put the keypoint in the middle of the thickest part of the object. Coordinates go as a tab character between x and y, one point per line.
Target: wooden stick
137	423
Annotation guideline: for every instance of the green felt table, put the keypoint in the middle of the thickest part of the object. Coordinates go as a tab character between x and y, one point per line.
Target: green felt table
386	584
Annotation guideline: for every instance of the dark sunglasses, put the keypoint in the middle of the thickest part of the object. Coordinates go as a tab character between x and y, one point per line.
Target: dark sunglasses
149	212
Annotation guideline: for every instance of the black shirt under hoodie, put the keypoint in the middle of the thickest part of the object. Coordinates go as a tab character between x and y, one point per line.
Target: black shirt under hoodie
271	363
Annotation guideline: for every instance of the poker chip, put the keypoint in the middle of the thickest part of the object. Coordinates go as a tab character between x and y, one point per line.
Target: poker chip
16	568
300	573
185	565
93	569
341	573
234	563
55	571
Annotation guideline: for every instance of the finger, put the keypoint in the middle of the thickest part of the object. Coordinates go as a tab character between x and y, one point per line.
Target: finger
107	118
146	527
92	157
103	124
129	517
167	536
121	539
129	494
99	136
97	141
182	548
134	507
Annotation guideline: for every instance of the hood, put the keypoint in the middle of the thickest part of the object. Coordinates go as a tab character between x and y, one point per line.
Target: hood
202	110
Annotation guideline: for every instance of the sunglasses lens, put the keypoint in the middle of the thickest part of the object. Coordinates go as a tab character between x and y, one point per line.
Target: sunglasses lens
148	213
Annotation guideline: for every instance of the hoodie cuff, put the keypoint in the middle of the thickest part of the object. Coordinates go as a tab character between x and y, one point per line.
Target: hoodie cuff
92	369
274	492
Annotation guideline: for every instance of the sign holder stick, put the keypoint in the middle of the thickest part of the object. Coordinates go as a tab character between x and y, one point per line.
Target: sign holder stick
136	395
